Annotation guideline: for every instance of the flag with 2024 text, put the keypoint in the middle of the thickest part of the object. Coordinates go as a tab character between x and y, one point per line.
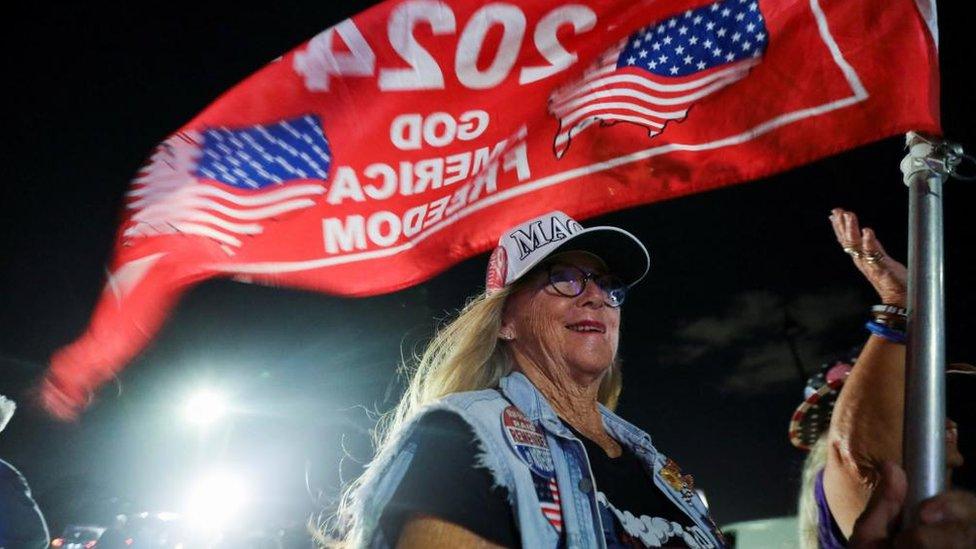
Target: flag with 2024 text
404	139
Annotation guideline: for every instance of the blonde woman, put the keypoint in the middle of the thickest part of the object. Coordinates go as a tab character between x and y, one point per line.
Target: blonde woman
506	434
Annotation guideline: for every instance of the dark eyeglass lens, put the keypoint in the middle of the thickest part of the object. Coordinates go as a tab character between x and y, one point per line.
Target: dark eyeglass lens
614	287
568	281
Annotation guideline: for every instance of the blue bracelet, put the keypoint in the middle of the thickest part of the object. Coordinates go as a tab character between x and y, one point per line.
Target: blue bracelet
891	334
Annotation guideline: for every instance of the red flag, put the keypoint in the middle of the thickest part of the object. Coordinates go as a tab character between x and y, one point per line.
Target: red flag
404	139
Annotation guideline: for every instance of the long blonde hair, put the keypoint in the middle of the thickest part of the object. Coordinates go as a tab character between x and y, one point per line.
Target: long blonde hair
808	517
465	354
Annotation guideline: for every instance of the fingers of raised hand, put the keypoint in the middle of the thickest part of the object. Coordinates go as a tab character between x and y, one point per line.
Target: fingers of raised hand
837	223
871	249
851	230
845	226
870	242
848	232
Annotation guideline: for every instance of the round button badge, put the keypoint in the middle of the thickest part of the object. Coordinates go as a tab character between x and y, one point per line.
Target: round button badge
528	442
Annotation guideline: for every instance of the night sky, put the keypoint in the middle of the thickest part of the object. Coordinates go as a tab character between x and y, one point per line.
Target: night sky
737	274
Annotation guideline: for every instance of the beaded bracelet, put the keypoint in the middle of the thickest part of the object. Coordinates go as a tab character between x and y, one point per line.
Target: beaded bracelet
889	309
891	321
891	334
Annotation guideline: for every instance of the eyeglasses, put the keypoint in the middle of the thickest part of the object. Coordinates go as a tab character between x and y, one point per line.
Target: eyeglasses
571	281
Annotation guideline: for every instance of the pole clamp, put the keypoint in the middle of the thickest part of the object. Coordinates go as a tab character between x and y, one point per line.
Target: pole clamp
933	156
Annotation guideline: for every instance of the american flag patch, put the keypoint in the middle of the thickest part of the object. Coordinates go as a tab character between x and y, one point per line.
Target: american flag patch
548	493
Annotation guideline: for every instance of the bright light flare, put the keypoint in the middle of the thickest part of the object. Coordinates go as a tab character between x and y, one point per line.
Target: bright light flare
215	499
205	407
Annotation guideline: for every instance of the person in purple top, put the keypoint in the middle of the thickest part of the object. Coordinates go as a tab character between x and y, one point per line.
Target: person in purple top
852	433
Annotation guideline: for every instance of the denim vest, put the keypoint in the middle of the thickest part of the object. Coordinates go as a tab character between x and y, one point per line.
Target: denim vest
483	411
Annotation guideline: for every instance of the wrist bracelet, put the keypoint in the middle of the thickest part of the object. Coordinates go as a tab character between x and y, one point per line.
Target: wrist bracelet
889	309
891	334
891	321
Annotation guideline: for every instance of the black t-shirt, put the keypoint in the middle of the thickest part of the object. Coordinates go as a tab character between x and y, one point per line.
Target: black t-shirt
444	481
634	512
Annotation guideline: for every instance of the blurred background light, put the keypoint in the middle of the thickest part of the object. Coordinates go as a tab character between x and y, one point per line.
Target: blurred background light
205	407
215	499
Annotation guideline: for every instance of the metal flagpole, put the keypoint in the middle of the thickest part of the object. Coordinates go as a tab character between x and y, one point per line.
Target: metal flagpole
926	167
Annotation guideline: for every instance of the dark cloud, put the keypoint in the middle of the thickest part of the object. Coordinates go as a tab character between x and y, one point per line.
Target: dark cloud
751	337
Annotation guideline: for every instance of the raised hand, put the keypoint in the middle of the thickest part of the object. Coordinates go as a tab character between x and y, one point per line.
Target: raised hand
888	277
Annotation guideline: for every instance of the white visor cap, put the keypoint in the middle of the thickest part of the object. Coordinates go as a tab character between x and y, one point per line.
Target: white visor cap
524	246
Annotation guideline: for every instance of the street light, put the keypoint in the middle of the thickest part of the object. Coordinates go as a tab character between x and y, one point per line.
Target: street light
205	407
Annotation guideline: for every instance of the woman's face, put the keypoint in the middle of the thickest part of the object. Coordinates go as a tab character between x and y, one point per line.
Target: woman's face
555	331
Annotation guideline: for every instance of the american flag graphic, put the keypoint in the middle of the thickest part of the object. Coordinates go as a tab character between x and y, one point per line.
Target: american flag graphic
660	71
224	183
548	492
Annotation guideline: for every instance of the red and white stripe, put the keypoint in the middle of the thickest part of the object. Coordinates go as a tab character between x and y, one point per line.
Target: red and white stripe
608	94
166	198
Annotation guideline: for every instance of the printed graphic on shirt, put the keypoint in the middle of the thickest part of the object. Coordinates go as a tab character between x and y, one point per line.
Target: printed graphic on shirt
645	531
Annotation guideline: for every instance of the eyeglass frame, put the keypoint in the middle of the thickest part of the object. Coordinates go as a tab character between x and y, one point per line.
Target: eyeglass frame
587	276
